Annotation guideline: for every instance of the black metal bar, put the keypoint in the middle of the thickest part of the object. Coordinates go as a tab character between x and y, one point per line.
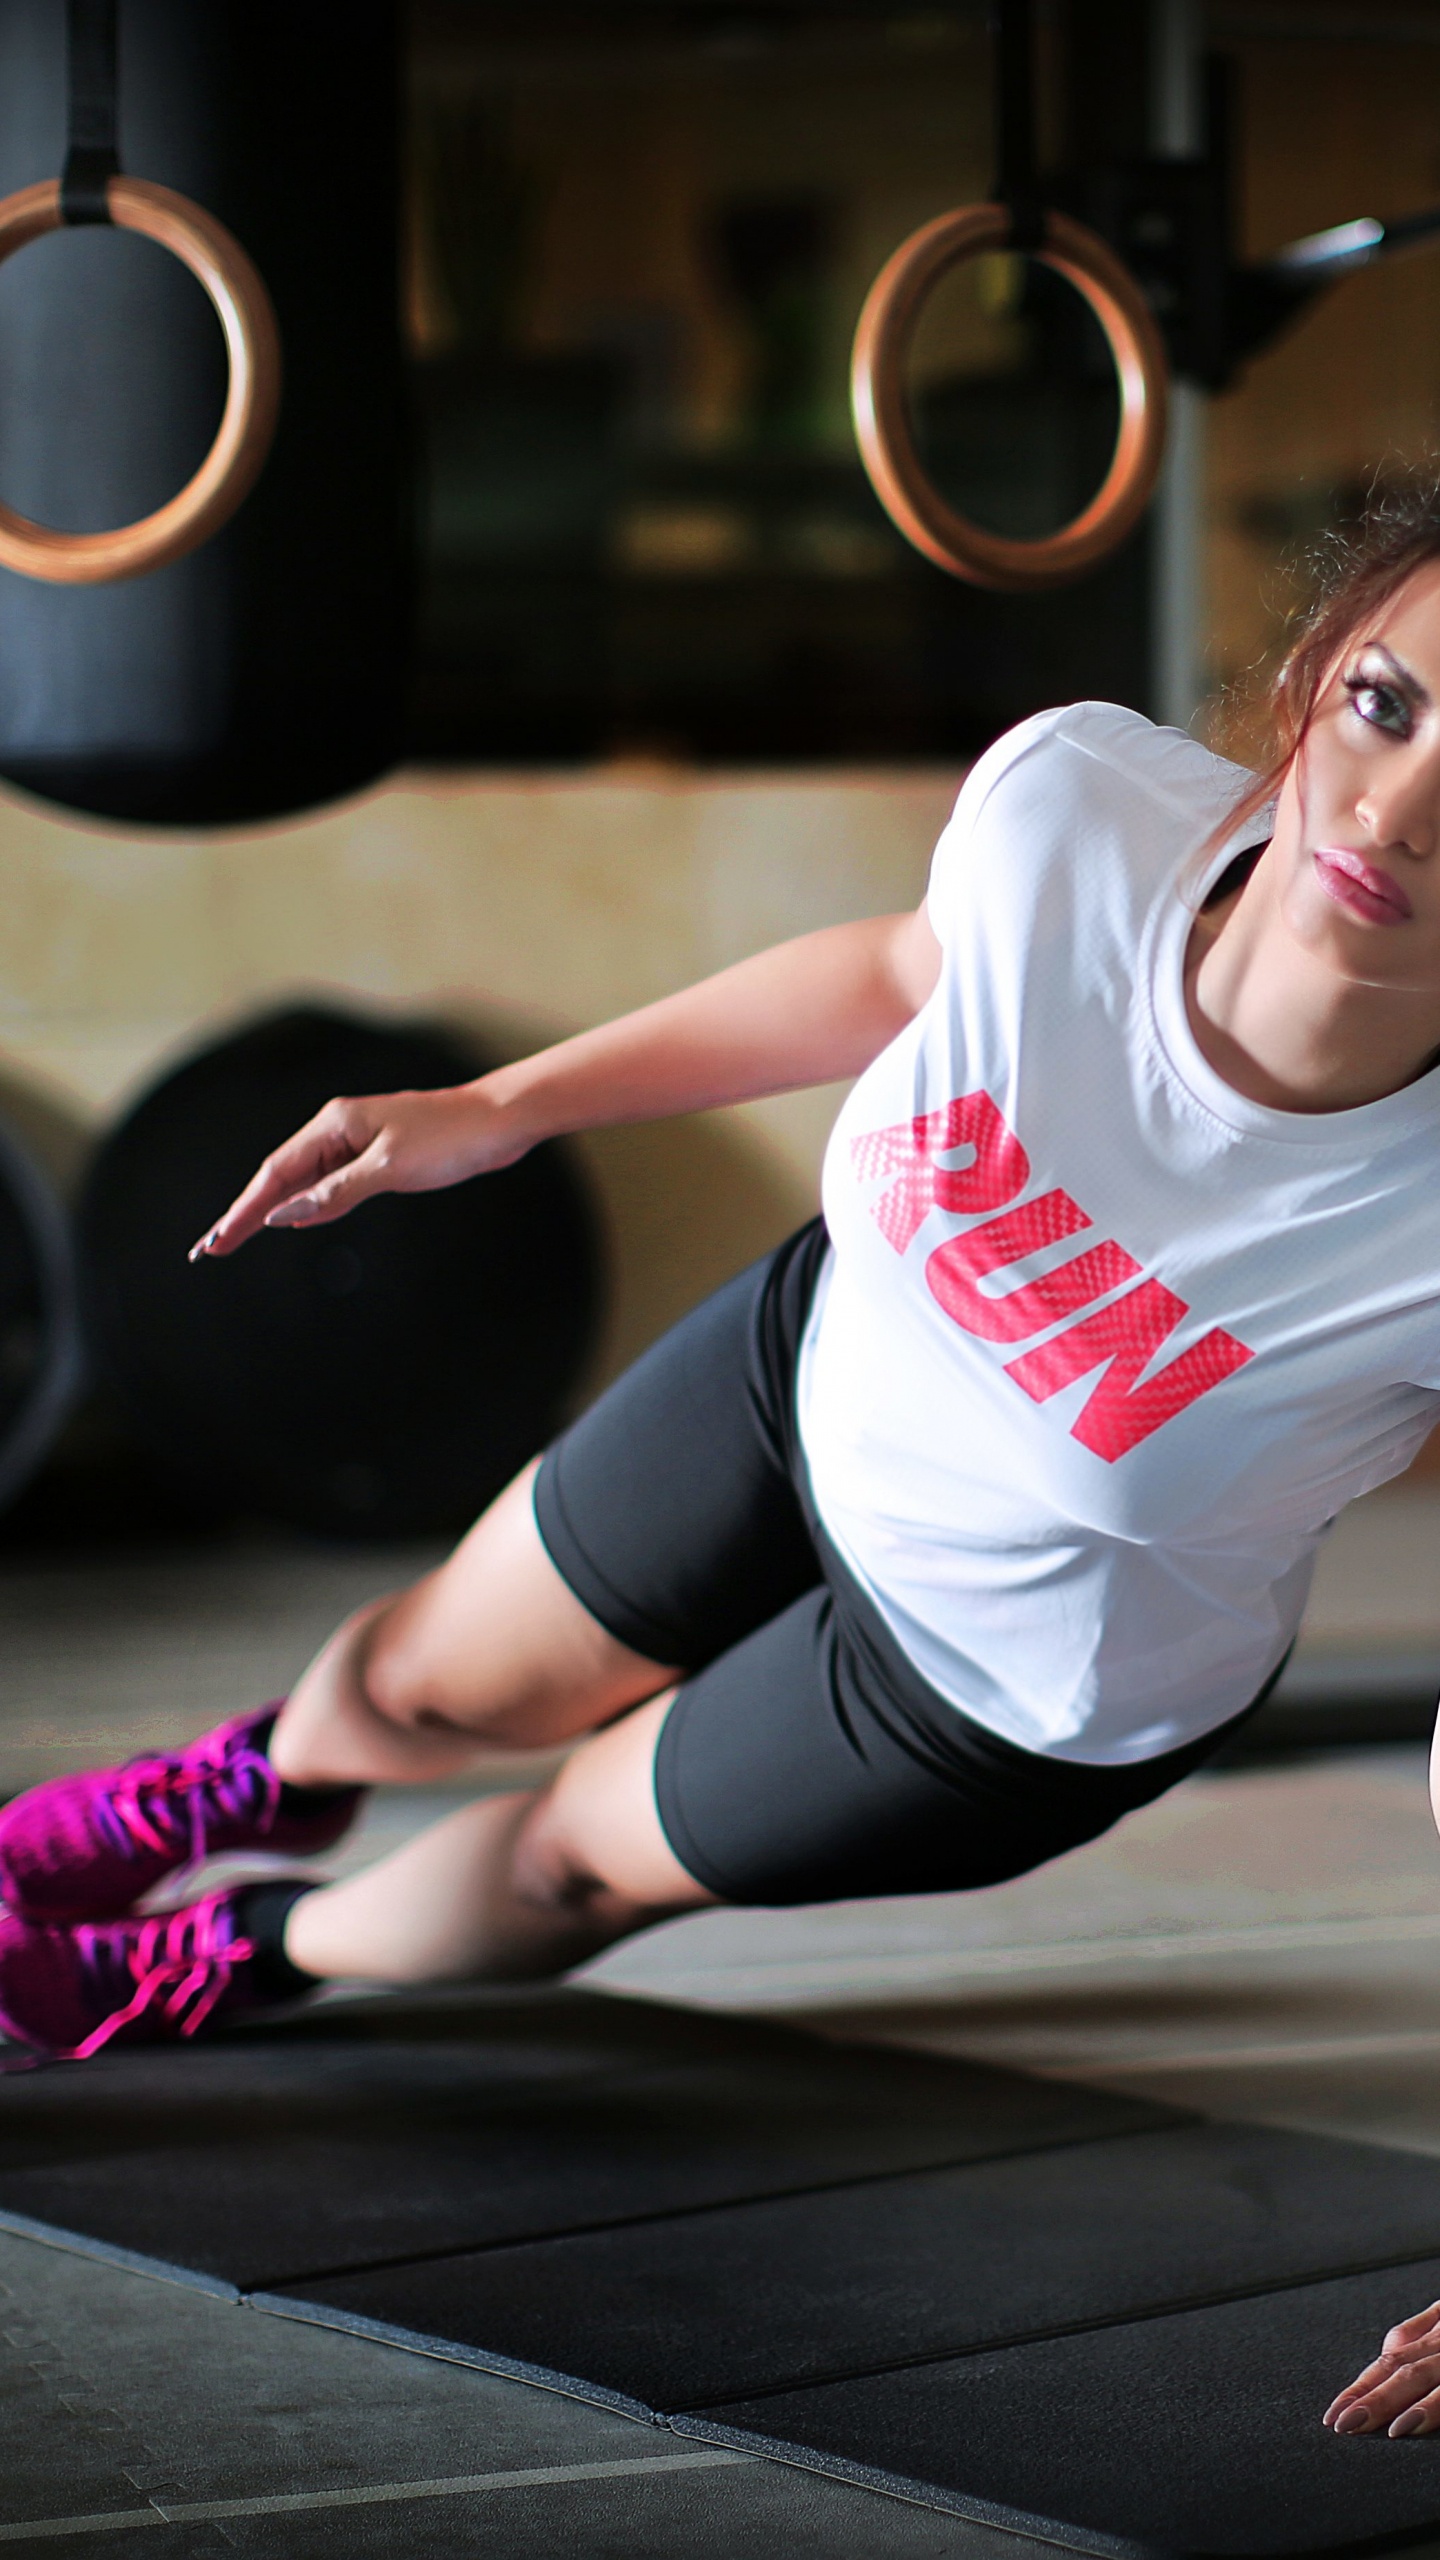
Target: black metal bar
1411	231
1323	254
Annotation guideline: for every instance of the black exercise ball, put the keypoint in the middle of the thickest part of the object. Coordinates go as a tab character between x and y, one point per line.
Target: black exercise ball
39	1332
267	671
379	1377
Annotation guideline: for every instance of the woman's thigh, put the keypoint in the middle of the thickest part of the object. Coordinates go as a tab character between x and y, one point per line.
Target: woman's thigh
809	1764
670	1507
658	1530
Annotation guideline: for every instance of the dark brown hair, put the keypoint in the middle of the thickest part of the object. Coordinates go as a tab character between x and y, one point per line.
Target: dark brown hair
1359	570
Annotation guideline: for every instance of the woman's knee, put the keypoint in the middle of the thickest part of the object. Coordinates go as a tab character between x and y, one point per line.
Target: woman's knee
393	1666
494	1642
593	1840
552	1874
549	1874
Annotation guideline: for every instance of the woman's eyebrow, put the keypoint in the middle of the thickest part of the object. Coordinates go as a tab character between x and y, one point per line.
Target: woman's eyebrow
1407	682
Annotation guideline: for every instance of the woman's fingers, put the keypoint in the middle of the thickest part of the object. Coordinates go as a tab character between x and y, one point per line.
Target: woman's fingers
1399	2391
336	1193
1408	2333
1401	2407
333	1139
1356	2390
1399	2346
1420	2420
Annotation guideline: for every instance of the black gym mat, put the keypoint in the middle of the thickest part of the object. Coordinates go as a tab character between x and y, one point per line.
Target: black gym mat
1111	2323
1196	2434
378	2131
719	2304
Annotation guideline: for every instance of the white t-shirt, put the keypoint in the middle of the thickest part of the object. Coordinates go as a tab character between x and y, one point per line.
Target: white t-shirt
1102	1347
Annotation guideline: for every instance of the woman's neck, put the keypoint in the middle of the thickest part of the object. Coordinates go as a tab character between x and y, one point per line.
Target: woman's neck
1283	1029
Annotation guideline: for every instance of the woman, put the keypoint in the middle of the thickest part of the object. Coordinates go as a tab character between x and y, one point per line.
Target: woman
905	1563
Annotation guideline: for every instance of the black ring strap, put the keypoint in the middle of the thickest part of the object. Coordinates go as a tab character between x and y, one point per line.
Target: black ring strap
1016	185
92	156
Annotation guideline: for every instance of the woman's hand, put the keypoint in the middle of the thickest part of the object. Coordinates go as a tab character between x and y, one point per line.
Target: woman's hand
1400	2391
385	1142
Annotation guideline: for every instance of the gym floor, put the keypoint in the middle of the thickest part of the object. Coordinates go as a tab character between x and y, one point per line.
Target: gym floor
1260	1946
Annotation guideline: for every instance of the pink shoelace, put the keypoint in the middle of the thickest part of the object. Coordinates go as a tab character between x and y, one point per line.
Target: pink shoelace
235	1776
179	1964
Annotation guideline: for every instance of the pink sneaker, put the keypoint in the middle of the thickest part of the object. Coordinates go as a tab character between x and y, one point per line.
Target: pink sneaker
67	1992
88	1847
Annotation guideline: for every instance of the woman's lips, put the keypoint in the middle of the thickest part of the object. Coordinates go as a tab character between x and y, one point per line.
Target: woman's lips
1356	884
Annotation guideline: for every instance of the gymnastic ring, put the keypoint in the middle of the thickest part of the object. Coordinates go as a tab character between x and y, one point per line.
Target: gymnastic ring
882	419
252	400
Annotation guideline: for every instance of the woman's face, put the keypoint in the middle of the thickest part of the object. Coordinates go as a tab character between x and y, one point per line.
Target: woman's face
1357	826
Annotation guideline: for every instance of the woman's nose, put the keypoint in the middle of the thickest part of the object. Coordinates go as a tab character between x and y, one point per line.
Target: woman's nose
1402	810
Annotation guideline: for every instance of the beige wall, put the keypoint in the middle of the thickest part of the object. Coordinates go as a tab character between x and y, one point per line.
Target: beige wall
529	905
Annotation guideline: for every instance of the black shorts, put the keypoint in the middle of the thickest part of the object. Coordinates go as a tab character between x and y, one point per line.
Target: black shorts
805	1759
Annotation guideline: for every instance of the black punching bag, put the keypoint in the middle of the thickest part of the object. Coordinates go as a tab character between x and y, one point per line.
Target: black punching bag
39	1332
379	1377
264	672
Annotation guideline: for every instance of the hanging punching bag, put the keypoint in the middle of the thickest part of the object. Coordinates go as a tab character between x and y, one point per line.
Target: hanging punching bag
264	671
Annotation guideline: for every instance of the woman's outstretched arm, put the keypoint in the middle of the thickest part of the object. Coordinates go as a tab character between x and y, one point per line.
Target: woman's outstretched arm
804	1013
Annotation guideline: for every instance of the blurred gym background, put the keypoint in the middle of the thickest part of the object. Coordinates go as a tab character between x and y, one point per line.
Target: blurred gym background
677	688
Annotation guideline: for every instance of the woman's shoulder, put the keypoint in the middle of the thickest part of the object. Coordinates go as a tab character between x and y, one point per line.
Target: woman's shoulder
1124	755
1091	780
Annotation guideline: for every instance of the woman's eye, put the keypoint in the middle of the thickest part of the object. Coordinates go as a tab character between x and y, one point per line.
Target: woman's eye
1379	705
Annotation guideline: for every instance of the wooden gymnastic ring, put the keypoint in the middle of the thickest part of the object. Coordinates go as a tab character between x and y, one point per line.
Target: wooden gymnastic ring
882	418
252	400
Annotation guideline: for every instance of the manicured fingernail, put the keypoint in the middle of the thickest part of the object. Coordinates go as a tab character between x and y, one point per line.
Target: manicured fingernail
206	1245
1412	2422
1352	2422
291	1213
